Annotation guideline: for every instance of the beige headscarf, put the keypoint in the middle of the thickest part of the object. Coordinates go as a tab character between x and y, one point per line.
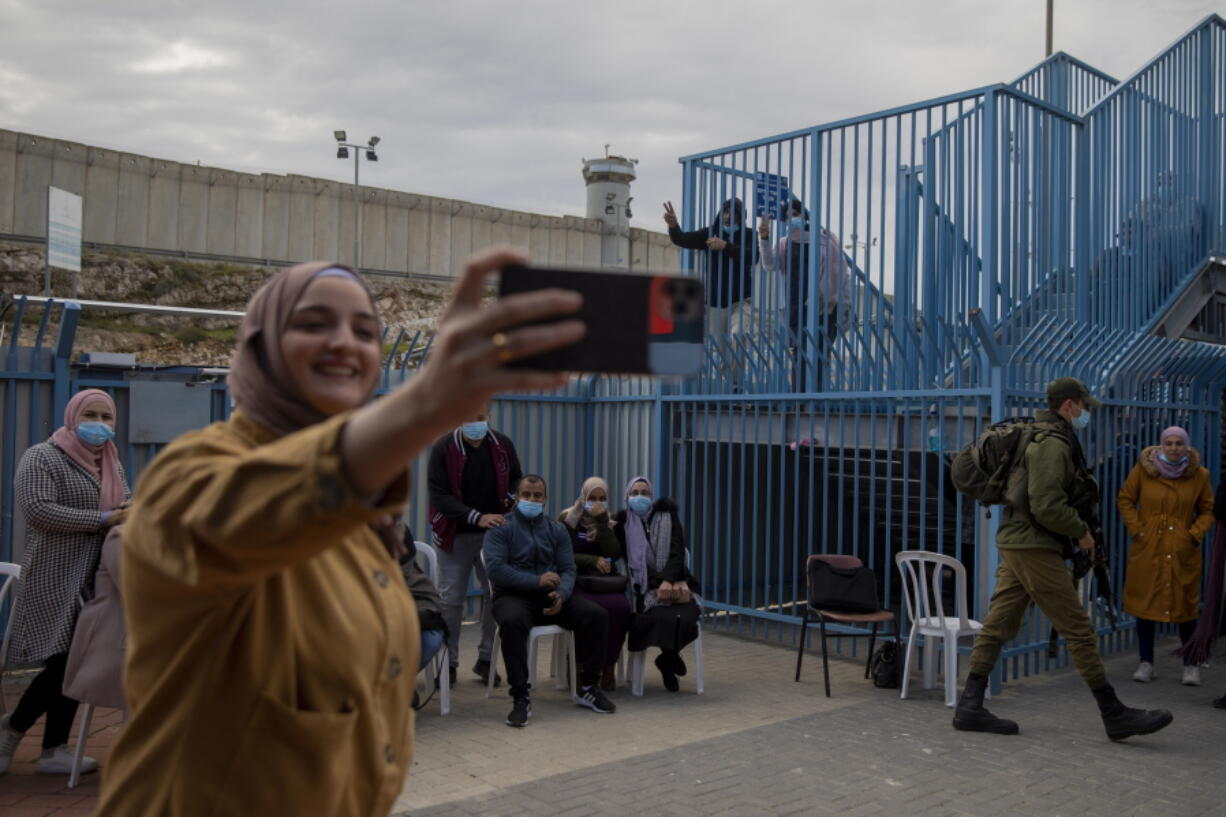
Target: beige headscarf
576	515
259	380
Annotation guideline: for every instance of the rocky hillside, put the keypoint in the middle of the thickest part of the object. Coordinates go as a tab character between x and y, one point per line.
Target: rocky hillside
173	340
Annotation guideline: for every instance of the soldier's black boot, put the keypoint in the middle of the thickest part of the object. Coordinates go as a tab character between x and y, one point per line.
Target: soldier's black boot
1123	721
970	716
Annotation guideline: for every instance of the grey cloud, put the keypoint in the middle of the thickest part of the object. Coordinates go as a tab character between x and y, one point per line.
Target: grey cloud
497	102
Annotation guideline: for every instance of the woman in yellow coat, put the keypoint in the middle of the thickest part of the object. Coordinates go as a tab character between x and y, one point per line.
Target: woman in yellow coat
272	645
1167	505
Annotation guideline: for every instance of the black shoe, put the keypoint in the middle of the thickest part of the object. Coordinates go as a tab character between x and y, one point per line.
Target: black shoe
667	671
482	669
1124	721
679	665
1219	703
971	716
595	700
520	712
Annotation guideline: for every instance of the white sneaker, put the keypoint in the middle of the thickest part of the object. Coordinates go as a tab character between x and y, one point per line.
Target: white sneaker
59	761
1191	676
1145	673
9	738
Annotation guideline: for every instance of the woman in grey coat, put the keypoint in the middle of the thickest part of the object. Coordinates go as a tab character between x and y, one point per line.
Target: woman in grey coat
71	489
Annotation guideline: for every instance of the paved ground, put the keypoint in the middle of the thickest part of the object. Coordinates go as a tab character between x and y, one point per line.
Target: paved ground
758	744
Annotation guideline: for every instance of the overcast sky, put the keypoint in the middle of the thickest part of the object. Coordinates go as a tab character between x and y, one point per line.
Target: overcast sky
498	102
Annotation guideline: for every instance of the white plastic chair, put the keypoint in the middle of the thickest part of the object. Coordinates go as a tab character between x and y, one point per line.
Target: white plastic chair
440	664
563	640
923	580
9	574
638	660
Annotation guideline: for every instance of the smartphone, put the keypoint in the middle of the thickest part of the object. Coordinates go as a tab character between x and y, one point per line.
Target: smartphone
636	323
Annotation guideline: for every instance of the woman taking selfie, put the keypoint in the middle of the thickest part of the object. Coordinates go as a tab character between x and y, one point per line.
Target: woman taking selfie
271	654
71	489
1167	504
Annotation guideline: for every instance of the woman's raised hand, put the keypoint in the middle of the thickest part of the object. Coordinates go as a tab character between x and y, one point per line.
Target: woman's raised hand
465	368
466	365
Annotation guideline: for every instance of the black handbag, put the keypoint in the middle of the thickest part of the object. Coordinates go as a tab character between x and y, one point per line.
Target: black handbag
602	583
842	589
884	667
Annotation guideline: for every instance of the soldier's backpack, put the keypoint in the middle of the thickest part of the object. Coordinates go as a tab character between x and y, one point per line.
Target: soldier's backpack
982	469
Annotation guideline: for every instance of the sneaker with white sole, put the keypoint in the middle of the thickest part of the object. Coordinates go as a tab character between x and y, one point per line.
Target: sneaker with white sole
520	712
9	738
59	761
1145	673
595	700
1191	676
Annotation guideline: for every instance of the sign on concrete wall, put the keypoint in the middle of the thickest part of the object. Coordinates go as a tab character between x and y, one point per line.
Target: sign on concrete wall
63	229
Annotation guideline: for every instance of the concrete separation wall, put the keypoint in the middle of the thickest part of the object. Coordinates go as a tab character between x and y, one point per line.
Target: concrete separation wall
140	201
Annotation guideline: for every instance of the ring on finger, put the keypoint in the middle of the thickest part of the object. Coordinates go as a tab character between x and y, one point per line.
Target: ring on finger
502	347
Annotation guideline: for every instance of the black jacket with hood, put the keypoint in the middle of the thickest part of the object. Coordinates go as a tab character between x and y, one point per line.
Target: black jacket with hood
729	271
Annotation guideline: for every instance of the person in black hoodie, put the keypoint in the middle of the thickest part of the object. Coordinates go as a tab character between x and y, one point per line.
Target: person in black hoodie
731	252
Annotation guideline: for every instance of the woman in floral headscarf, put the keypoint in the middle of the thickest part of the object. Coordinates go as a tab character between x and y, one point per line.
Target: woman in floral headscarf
596	551
72	490
1167	505
665	607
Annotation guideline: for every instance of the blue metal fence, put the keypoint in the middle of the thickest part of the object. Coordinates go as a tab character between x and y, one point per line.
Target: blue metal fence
976	246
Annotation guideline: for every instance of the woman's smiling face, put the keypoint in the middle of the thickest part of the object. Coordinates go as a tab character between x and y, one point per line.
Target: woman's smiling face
332	345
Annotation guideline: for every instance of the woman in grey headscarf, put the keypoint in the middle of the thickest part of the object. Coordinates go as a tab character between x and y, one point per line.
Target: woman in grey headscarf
665	606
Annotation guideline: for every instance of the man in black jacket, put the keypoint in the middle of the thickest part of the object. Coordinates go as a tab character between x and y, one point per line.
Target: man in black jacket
730	251
471	475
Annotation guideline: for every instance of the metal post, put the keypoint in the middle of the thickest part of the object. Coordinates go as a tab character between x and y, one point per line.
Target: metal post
991	155
357	241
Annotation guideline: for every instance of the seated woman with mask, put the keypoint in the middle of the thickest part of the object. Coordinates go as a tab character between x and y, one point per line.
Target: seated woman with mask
665	609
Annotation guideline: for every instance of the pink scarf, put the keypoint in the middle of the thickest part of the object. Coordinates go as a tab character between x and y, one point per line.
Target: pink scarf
1170	470
103	460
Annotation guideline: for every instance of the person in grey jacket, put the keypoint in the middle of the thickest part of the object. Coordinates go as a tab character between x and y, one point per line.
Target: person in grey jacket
531	565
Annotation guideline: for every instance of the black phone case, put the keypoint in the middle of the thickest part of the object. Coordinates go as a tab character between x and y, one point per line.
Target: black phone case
636	324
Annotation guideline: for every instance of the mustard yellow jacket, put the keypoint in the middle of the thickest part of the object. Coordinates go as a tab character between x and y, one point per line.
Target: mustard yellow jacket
1167	520
272	644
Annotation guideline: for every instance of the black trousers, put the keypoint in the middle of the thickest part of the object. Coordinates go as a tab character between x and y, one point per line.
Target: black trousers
517	613
45	696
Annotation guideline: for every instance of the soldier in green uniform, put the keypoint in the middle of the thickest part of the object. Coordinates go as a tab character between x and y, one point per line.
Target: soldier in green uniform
1041	518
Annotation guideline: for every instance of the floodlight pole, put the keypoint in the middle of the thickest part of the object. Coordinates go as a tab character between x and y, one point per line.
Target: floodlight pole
357	205
1050	3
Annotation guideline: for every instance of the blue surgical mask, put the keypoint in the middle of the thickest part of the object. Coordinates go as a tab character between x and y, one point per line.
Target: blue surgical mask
797	223
529	509
639	504
95	433
1169	461
587	506
475	431
1082	421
